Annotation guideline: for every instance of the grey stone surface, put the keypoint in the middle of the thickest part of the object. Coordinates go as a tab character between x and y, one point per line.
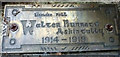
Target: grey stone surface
106	1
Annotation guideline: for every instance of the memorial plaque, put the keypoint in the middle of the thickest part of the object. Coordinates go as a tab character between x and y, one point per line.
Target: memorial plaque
59	28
